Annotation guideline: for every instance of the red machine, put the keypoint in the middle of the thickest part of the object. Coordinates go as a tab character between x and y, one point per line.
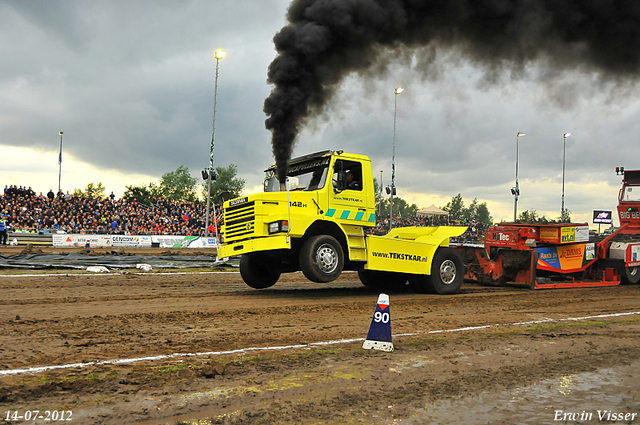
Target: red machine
561	255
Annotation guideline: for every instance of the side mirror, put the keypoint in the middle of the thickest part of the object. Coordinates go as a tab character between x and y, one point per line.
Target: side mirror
342	180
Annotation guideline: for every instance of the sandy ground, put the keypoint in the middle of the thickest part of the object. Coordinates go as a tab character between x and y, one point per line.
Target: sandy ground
488	355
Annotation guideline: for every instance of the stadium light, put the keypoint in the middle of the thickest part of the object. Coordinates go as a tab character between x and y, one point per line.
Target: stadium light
219	54
516	191
60	163
397	91
564	149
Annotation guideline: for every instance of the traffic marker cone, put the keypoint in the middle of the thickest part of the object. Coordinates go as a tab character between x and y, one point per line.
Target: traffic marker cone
379	336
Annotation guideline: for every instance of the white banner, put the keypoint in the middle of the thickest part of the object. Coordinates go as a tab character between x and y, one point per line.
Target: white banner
87	241
168	241
582	233
131	241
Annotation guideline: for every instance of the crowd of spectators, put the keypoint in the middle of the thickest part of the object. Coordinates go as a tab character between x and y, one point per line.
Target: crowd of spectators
24	211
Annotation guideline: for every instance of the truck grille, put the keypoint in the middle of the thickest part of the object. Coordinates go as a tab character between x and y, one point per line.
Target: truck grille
239	221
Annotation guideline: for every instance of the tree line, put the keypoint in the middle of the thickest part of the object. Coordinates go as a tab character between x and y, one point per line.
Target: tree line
180	186
176	186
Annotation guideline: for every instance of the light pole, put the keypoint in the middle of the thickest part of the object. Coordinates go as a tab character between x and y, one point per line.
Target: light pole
60	164
516	191
397	91
564	149
219	55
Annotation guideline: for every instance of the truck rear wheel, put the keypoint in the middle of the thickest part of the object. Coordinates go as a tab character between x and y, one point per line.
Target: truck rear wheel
256	272
321	258
630	275
447	272
382	280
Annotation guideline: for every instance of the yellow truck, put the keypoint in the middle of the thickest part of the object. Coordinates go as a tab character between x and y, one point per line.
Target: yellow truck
316	221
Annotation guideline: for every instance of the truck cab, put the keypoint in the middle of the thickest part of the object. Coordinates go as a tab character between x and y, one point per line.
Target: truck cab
624	244
316	221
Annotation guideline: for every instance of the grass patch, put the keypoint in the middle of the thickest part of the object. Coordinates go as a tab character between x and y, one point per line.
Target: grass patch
509	332
45	380
174	368
250	359
95	377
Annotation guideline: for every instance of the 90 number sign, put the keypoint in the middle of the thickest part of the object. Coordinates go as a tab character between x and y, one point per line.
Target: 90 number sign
381	317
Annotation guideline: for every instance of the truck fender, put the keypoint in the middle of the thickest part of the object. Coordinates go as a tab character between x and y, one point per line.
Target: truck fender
324	227
441	236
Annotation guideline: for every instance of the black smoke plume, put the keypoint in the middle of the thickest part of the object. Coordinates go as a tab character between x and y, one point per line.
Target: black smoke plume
326	40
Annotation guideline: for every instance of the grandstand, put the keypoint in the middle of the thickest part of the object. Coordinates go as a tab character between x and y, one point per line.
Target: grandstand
25	212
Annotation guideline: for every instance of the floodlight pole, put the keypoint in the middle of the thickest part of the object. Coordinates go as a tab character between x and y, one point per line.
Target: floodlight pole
397	91
60	164
564	149
219	55
517	188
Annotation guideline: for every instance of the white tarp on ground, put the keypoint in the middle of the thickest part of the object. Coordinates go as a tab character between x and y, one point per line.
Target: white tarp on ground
73	260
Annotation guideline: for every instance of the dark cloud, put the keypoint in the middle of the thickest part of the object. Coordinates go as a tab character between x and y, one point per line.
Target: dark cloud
326	40
127	81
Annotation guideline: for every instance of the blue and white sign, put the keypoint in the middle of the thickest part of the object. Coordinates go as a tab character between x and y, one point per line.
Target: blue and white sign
379	336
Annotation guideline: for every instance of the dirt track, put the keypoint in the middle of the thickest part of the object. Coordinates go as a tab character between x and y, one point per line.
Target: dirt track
497	374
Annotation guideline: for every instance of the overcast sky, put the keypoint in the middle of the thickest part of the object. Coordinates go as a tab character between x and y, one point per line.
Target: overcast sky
131	86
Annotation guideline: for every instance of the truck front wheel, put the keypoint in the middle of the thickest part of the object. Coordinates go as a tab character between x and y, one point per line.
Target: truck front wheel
321	258
256	273
630	275
447	272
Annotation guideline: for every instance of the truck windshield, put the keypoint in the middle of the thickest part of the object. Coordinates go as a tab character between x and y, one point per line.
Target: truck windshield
631	194
308	175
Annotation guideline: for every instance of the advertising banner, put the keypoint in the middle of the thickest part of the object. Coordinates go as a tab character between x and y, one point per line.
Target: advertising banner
131	241
574	234
199	242
167	241
566	258
602	217
582	233
210	242
87	241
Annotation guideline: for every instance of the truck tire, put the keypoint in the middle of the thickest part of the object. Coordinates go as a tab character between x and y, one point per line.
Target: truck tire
256	273
447	272
321	258
630	275
382	280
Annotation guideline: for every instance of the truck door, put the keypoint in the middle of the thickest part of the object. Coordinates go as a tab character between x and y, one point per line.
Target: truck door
349	205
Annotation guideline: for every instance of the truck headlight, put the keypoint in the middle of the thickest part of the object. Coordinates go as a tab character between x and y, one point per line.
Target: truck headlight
278	226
